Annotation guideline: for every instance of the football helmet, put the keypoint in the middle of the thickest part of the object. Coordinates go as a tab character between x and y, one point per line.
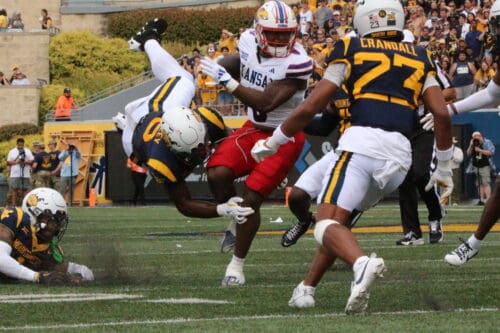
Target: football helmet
184	133
379	19
276	29
42	203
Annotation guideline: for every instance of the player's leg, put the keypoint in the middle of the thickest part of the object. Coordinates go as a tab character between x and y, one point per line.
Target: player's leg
470	248
408	207
306	188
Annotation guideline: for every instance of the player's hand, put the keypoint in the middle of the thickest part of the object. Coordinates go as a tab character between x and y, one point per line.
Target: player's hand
54	278
264	148
215	71
443	177
427	122
86	273
236	212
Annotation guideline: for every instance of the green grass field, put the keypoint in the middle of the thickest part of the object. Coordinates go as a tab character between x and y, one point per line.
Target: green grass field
158	271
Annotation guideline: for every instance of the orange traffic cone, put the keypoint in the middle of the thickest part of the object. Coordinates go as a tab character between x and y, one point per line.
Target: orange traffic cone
288	189
92	197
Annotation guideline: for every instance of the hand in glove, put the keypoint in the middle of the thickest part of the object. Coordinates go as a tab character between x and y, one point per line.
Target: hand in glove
58	278
235	211
264	148
218	74
427	122
85	272
442	177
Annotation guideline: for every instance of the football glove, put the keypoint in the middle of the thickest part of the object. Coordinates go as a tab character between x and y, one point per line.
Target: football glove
427	122
235	211
264	148
55	278
218	74
85	272
442	177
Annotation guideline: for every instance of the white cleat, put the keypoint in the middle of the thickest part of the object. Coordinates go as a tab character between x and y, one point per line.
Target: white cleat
233	279
360	287
463	253
302	297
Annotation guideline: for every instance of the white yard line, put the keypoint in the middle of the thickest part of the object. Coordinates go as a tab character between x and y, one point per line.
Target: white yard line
193	320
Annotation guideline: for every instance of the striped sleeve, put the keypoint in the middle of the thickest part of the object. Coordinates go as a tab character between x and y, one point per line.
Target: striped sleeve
300	71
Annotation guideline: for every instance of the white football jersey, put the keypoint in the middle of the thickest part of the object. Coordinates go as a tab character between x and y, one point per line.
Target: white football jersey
257	72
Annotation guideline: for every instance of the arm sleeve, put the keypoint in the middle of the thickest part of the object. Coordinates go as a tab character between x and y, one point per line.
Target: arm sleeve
12	268
489	97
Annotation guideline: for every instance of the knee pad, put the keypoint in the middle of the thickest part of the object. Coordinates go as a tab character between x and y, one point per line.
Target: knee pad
319	229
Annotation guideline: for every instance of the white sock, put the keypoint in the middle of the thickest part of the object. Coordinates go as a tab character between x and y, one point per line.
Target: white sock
236	264
358	264
474	242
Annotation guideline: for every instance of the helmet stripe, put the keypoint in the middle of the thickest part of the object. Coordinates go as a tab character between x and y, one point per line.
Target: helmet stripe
281	15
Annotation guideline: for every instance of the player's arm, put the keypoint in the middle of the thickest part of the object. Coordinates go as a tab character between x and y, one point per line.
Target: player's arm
434	100
179	194
8	265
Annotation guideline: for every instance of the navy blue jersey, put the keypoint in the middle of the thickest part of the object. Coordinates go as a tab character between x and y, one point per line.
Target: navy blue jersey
340	117
27	249
43	162
385	79
150	148
54	159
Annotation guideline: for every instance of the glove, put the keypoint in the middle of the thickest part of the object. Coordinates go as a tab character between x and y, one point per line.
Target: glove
264	148
56	278
427	122
218	74
82	270
442	177
235	211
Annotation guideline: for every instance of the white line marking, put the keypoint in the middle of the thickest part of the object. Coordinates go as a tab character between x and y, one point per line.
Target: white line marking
188	301
55	298
262	317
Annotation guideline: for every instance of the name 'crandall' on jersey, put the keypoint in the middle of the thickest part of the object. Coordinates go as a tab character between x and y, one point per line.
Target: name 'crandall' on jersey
388	45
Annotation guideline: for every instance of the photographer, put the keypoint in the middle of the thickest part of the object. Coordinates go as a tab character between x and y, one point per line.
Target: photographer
70	159
19	160
481	151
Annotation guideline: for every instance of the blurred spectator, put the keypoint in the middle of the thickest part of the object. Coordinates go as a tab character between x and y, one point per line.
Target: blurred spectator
474	39
227	40
35	147
323	13
207	88
41	169
462	74
329	25
305	16
336	19
483	75
4	21
225	51
19	160
320	37
16	22
463	26
424	38
481	151
55	165
194	53
70	159
3	80
45	20
19	79
212	52
186	64
64	105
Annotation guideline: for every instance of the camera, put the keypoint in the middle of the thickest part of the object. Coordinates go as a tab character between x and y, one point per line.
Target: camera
476	143
22	155
71	147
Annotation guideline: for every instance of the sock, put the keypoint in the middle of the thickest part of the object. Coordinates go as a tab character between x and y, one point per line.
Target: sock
358	264
236	264
474	242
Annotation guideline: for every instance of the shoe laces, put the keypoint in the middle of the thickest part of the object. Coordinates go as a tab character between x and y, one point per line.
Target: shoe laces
297	230
463	250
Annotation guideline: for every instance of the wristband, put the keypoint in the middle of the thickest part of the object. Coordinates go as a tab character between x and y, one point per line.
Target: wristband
452	109
445	155
231	85
279	137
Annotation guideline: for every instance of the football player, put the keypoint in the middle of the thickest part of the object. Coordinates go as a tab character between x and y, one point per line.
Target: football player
270	77
29	241
489	97
161	133
385	78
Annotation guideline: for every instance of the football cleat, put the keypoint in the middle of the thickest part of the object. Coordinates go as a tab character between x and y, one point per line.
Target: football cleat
435	232
302	297
463	253
151	30
228	242
360	287
410	239
233	279
292	235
